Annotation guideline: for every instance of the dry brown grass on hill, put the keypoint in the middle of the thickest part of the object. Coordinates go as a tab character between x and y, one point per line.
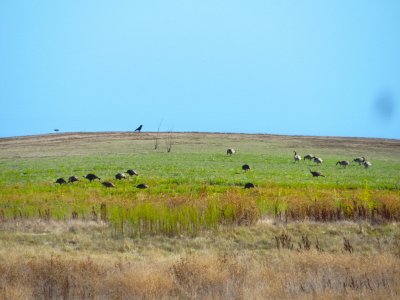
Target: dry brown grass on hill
94	143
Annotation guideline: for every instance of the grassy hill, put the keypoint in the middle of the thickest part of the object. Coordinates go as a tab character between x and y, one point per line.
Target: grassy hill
196	216
199	157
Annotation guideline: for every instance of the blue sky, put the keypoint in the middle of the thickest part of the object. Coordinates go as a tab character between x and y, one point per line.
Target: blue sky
282	67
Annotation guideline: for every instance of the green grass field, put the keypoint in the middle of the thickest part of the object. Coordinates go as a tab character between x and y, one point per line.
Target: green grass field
196	185
196	233
200	159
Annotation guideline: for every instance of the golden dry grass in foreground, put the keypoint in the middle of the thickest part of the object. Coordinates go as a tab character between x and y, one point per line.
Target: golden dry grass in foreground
211	276
241	275
83	260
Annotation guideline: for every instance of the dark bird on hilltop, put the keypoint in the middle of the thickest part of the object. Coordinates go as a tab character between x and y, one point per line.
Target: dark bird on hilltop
316	174
73	179
142	186
245	167
120	176
108	184
139	128
60	181
132	172
91	177
249	185
343	163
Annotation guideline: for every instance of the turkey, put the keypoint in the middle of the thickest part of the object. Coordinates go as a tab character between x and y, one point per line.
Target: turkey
73	179
108	184
246	167
91	177
249	185
60	181
316	174
142	186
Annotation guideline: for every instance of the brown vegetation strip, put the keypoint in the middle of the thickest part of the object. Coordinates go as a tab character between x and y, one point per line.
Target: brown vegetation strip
201	276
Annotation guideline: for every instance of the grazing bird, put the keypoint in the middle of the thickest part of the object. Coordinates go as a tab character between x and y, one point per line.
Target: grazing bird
139	128
132	172
249	185
366	164
317	160
296	157
245	167
108	184
343	163
142	186
316	174
308	157
359	160
91	177
120	176
73	179
60	181
230	151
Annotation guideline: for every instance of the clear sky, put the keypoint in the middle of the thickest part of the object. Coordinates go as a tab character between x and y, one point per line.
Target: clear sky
282	67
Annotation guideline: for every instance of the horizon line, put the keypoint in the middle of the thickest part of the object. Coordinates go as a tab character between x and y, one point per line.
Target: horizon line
193	132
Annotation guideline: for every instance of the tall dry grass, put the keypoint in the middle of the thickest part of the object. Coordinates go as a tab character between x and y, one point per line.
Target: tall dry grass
235	275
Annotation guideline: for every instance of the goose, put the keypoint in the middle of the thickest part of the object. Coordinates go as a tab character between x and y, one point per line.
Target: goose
132	172
343	163
366	164
308	156
359	160
296	157
230	151
317	160
120	176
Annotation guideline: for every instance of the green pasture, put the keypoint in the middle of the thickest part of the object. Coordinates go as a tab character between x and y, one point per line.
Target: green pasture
194	186
163	170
